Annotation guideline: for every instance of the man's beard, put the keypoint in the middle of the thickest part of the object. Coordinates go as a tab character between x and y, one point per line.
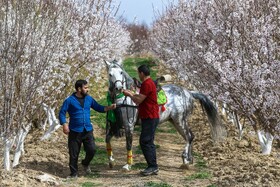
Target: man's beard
84	94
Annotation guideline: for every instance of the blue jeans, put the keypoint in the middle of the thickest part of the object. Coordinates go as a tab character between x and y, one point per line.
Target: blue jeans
147	140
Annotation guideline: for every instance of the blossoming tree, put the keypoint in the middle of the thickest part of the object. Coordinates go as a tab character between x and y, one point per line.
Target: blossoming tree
44	46
230	50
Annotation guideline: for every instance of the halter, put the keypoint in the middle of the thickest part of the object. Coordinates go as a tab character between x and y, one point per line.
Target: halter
113	90
112	87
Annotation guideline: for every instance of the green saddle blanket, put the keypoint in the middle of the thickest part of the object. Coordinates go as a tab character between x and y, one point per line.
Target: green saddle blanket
161	97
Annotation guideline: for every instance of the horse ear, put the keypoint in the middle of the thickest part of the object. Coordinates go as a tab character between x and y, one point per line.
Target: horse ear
119	62
107	63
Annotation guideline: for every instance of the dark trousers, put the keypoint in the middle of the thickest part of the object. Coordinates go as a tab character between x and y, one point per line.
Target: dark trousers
147	141
75	140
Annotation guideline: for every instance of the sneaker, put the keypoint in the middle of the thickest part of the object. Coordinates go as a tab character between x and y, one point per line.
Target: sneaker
87	169
72	177
149	171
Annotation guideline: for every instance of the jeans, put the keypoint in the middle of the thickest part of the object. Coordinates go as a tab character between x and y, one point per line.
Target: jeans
75	140
147	141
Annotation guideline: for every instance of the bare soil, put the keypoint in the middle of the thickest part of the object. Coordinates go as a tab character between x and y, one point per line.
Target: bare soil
232	163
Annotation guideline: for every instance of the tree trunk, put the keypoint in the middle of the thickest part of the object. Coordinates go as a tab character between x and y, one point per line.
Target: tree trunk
238	125
265	140
7	149
20	144
53	122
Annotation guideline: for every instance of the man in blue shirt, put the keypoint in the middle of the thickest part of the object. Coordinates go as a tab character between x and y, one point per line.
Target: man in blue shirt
80	129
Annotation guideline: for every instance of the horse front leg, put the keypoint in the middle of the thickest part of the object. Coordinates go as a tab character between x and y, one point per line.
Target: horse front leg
109	150
129	162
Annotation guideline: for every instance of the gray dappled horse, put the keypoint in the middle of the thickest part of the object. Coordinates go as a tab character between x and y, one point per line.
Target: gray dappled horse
178	108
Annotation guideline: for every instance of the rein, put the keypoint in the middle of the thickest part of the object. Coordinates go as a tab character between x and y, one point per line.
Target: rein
127	105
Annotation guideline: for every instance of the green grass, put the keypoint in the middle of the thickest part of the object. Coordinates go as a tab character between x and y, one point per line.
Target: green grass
156	184
90	184
93	175
139	165
100	140
138	150
100	157
201	165
137	128
200	175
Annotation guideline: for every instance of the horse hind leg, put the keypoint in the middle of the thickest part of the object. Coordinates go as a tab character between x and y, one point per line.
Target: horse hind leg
187	153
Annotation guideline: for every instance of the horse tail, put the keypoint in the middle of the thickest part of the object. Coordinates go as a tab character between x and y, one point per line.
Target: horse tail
218	130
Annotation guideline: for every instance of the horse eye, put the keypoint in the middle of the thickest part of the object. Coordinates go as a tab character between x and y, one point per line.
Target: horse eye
110	75
121	73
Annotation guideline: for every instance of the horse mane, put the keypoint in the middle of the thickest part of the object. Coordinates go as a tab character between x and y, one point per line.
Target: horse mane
129	80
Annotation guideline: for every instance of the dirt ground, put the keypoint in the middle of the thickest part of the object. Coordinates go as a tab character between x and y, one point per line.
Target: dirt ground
232	163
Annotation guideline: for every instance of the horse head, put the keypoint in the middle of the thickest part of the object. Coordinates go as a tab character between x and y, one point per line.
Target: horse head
116	76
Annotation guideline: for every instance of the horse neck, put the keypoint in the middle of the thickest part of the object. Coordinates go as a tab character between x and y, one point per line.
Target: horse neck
128	80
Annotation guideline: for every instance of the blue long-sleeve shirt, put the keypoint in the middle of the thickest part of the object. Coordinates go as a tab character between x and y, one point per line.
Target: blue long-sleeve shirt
79	115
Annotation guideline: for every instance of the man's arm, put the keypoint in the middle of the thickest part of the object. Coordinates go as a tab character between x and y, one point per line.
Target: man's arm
111	107
136	98
62	117
100	108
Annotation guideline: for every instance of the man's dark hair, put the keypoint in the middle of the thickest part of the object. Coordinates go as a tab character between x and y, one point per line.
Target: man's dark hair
145	69
80	83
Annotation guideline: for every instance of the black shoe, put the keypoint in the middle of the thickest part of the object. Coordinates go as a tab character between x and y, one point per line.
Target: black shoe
149	171
87	169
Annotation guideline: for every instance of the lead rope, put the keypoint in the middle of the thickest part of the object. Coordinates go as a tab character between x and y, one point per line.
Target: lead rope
127	106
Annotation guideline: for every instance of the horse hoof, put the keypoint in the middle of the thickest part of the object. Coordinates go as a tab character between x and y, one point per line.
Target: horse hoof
185	166
126	168
111	165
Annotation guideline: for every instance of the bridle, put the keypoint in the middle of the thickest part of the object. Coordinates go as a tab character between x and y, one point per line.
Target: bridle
115	95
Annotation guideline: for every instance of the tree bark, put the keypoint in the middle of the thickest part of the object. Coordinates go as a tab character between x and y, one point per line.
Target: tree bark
7	148
20	144
265	140
53	122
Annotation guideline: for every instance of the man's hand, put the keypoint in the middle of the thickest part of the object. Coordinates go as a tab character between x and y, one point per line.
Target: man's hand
66	129
136	98
111	107
127	93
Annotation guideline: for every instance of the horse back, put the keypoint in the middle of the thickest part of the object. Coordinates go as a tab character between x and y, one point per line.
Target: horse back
179	102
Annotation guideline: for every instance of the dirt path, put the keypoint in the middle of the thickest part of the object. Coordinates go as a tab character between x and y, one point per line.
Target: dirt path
233	163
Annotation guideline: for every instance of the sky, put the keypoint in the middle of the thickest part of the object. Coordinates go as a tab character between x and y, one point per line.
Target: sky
142	9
